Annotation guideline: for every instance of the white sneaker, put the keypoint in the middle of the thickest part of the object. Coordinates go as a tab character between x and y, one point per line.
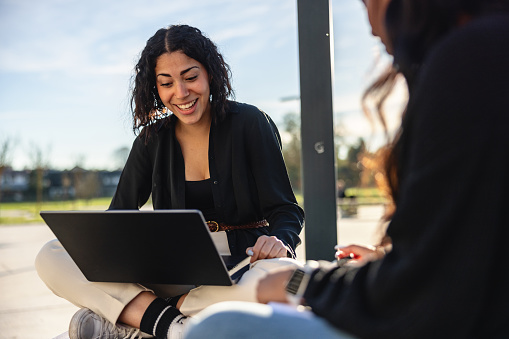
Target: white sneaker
85	324
64	335
177	327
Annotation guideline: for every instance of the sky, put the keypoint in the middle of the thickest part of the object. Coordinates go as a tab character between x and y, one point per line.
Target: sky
66	67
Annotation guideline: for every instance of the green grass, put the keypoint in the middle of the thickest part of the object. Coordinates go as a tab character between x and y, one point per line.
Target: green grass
366	195
28	212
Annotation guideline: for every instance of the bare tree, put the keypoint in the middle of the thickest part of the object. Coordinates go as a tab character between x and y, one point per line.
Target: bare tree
120	156
79	160
6	147
292	149
78	173
40	162
88	186
5	152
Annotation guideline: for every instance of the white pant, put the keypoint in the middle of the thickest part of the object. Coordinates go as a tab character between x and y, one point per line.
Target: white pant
59	272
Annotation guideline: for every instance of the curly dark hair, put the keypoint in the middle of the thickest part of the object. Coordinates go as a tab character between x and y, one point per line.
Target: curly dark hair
146	105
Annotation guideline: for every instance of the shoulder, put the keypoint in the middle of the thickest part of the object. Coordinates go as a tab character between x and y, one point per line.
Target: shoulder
459	92
485	30
242	114
239	110
476	42
153	133
469	58
249	119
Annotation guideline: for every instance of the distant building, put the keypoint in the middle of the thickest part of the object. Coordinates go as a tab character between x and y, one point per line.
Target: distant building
14	184
109	182
77	183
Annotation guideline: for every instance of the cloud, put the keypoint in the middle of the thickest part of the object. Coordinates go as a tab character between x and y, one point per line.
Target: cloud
63	60
102	37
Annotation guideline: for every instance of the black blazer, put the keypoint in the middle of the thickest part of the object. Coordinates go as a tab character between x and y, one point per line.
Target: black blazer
246	166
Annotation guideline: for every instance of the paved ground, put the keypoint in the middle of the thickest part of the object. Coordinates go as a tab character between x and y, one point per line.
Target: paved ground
29	310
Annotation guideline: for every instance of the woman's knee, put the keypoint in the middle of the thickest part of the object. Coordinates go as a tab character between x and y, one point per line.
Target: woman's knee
53	262
227	319
253	321
45	259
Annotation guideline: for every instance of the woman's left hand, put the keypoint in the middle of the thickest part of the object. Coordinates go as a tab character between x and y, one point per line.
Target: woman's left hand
267	247
272	287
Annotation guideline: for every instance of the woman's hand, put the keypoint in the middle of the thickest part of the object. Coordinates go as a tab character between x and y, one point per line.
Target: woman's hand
267	247
360	254
273	286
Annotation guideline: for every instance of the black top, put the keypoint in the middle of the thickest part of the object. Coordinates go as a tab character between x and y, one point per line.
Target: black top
199	196
248	174
447	275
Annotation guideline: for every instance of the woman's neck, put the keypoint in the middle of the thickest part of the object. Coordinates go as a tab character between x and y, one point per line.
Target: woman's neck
200	128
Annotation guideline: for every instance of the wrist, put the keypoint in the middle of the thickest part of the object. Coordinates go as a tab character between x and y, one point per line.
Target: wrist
382	250
298	282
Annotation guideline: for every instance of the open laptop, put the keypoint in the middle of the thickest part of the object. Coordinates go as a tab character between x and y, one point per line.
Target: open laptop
162	246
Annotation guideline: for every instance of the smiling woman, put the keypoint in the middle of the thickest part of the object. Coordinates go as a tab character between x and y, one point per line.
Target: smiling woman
195	150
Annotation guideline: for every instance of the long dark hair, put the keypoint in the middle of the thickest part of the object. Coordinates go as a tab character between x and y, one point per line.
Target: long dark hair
414	27
378	92
146	105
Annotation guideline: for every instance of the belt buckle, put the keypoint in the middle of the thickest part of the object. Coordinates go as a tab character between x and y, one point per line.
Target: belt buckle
213	224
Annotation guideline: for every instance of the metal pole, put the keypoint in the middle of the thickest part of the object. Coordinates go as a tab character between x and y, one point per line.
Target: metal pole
317	133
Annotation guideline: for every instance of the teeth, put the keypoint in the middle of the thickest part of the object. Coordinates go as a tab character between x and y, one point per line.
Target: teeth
187	106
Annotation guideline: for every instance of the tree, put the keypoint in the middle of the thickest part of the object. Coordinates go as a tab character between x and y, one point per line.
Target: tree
292	149
120	156
88	185
40	164
5	158
350	168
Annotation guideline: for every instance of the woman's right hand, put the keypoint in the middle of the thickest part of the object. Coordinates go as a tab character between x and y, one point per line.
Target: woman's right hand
266	248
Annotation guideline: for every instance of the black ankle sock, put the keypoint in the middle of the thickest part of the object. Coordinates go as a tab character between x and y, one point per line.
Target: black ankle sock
173	300
157	318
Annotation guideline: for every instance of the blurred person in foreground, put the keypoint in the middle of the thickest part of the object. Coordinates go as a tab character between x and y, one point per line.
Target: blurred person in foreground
446	274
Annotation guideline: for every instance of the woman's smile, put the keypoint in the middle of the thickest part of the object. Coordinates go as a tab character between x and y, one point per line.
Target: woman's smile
183	86
187	107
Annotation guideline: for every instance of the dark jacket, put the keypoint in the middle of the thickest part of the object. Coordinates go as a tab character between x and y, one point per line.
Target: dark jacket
246	166
447	275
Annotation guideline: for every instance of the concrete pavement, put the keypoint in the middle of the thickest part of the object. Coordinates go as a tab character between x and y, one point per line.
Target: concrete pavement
29	310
